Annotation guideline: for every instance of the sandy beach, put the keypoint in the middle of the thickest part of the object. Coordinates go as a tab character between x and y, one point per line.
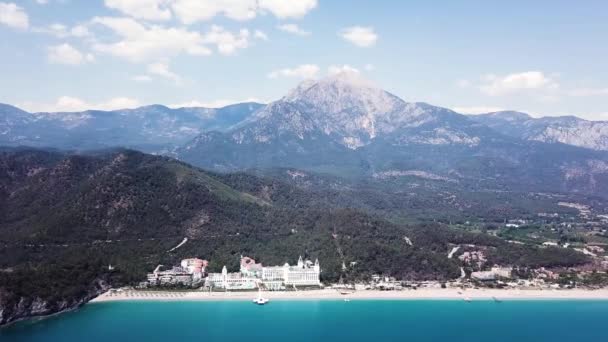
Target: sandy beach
330	294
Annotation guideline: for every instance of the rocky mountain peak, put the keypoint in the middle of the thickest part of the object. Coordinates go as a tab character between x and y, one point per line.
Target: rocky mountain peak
353	112
344	92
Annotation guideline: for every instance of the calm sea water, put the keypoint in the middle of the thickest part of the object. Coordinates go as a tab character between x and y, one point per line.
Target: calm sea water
334	321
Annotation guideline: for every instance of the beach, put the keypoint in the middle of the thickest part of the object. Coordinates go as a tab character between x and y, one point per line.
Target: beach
331	294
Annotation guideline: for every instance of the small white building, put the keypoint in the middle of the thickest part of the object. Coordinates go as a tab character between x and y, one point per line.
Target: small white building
492	274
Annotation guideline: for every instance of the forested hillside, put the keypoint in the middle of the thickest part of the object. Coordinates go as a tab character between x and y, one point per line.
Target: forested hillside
64	218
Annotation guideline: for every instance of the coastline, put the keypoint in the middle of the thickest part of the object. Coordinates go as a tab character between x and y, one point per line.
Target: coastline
329	294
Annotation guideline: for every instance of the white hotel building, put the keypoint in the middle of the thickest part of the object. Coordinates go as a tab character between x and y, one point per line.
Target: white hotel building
253	275
231	281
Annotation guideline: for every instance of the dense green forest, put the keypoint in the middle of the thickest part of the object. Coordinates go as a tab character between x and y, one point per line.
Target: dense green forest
64	218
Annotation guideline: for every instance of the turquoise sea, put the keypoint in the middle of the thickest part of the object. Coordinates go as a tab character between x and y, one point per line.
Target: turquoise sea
326	320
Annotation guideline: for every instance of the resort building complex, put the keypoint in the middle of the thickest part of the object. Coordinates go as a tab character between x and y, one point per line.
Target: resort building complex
251	275
190	272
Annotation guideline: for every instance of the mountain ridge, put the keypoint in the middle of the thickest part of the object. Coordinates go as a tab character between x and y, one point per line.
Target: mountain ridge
152	128
570	130
347	127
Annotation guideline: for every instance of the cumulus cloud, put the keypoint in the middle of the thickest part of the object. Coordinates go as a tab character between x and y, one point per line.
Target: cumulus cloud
142	9
139	42
304	71
191	11
227	42
288	8
359	35
294	29
494	85
75	104
340	69
13	16
162	69
68	55
62	31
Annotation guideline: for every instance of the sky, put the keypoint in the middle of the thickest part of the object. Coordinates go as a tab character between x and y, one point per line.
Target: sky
543	57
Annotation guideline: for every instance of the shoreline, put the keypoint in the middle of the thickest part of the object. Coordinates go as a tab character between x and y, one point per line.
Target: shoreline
329	294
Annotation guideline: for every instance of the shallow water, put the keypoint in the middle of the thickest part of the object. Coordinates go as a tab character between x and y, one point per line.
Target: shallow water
357	320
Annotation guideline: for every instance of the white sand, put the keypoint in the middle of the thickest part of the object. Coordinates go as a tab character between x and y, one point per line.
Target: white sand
425	293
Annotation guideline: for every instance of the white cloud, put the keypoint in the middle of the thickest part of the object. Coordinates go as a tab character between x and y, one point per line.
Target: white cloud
57	30
141	78
288	8
338	69
583	92
260	35
74	104
212	104
294	29
227	43
13	16
68	55
61	31
360	36
140	43
477	109
530	80
191	11
304	71
80	31
142	9
162	69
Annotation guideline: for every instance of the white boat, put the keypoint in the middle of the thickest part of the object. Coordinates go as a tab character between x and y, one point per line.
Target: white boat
467	299
260	300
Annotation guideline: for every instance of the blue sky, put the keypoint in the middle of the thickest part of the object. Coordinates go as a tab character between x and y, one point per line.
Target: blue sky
542	57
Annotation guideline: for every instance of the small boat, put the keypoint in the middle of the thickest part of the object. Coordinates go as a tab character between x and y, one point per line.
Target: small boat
497	300
346	300
260	300
467	299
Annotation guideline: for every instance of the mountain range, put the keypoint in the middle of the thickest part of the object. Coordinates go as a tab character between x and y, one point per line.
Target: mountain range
345	126
562	129
150	128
